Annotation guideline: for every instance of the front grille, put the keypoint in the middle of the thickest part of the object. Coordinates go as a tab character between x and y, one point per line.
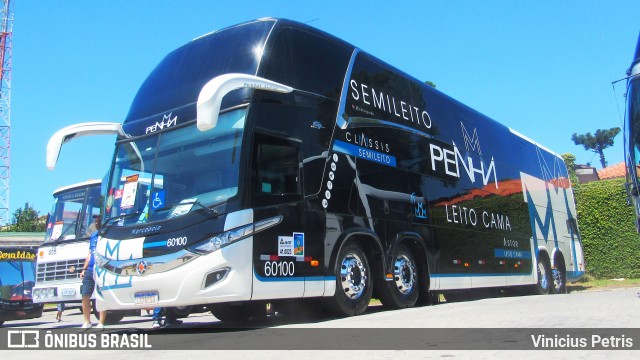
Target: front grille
59	270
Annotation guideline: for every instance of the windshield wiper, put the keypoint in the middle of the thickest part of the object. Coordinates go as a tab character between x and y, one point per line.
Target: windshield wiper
210	211
73	225
121	217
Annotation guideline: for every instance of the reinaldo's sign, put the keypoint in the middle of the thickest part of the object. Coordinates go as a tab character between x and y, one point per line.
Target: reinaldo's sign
14	255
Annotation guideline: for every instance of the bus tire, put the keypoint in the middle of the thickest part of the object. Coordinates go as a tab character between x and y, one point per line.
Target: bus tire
113	316
402	292
559	277
234	313
353	282
543	286
183	311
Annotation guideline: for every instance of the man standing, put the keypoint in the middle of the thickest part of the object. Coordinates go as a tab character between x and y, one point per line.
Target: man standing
88	282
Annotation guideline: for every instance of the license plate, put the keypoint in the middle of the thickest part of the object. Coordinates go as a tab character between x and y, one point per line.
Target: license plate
67	292
146	298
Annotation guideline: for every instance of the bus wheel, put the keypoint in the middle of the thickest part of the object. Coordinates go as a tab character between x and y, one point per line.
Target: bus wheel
544	277
403	291
559	276
234	313
353	282
113	316
183	311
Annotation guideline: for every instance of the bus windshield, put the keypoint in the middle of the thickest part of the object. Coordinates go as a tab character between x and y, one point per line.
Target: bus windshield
17	277
171	173
633	96
72	214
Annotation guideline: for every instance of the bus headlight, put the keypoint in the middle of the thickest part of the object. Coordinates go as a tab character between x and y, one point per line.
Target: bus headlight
51	292
221	240
229	237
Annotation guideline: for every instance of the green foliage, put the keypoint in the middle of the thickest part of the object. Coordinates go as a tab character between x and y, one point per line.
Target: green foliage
602	140
26	219
570	162
430	83
607	225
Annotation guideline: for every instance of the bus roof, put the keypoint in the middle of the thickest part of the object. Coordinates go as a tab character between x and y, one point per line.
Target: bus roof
77	185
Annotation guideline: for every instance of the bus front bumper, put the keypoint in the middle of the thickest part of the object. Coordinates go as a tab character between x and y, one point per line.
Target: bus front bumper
221	276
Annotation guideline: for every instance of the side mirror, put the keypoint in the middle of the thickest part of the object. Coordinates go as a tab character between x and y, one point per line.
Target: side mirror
71	132
212	93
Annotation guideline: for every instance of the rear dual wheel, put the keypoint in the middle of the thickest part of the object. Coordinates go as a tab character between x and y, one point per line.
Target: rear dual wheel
403	290
559	276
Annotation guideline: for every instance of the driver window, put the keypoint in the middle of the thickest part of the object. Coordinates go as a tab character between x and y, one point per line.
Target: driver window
276	168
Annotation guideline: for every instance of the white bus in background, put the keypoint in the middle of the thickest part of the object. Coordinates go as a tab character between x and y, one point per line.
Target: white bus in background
61	258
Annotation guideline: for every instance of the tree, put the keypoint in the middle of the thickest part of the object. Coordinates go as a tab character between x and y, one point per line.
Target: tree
602	140
27	219
430	83
570	162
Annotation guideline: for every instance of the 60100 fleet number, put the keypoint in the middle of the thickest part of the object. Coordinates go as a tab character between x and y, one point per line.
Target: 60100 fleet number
279	268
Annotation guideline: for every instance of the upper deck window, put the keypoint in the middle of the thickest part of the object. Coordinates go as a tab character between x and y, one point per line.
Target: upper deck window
180	76
307	62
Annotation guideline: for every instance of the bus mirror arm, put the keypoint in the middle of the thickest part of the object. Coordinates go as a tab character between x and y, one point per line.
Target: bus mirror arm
68	133
212	93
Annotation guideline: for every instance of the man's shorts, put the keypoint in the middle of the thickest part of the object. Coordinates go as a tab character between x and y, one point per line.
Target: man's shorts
88	284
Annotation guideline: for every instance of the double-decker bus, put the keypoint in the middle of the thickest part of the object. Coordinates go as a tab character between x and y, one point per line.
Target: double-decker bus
61	257
632	132
271	161
17	277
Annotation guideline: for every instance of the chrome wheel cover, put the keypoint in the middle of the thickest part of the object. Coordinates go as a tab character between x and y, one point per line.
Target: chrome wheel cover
353	276
404	274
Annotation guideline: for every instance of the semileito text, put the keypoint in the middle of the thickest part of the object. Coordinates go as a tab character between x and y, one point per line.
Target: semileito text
381	101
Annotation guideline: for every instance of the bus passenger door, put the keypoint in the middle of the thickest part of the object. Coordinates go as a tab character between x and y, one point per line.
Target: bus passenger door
276	191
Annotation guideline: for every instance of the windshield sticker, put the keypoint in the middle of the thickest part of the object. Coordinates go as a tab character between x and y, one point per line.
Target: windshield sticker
184	207
129	192
57	230
158	200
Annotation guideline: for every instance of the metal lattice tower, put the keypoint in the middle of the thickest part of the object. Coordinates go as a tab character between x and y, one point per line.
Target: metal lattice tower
6	28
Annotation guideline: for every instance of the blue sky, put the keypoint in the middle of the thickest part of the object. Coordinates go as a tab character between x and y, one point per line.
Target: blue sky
541	67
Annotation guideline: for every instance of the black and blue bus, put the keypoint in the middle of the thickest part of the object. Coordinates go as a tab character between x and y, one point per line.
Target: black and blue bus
271	161
632	132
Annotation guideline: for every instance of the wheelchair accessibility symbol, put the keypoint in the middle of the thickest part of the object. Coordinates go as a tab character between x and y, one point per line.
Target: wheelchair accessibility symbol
158	200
